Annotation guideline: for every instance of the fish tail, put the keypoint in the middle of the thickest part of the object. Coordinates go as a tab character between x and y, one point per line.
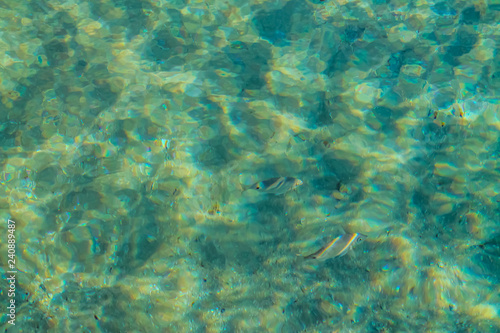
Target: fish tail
244	187
300	258
310	256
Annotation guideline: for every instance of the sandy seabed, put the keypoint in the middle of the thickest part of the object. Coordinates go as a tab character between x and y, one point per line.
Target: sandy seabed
129	130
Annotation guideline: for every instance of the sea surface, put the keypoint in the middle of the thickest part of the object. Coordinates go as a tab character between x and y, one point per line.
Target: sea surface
130	132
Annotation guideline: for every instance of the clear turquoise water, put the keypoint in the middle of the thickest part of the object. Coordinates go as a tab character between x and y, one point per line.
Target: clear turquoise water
129	130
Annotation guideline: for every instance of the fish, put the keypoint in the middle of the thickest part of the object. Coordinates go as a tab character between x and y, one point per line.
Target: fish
337	247
277	185
491	247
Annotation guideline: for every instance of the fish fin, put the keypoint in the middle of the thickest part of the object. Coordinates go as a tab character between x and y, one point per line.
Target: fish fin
343	230
299	259
246	182
351	253
313	255
246	187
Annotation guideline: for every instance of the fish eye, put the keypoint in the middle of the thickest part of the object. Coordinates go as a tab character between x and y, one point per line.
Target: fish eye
360	240
257	187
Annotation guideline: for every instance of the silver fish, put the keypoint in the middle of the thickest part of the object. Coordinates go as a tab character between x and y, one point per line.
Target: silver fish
337	247
277	185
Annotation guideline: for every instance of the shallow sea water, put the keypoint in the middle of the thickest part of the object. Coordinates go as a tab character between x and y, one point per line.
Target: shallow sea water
129	130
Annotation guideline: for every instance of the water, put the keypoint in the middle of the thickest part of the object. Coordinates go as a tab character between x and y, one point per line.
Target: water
129	130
